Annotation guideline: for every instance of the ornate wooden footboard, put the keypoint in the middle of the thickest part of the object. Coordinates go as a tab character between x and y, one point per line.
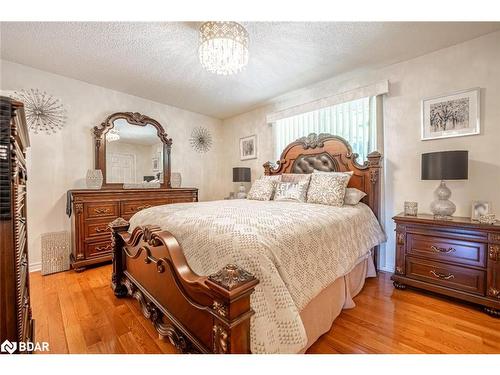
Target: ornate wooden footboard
198	314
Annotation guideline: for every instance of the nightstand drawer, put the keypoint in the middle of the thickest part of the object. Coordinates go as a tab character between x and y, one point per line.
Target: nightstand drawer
447	249
455	277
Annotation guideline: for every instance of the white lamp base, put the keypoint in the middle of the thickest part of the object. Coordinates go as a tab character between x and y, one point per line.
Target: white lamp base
242	194
443	208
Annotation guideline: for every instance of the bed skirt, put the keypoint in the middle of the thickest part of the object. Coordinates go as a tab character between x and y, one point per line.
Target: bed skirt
319	314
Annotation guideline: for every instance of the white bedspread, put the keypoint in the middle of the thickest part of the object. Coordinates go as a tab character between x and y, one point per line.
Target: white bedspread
294	249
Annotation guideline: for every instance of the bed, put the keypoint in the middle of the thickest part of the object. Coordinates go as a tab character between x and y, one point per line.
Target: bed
242	276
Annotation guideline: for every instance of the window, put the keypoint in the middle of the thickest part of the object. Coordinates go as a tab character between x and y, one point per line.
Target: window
354	120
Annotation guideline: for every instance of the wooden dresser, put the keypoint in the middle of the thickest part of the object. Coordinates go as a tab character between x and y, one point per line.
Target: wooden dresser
16	324
458	258
93	210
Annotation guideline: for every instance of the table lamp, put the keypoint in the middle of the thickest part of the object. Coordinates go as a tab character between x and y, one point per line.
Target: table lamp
444	165
241	174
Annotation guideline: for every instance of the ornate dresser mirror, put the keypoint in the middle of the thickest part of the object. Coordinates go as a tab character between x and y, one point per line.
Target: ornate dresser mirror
132	148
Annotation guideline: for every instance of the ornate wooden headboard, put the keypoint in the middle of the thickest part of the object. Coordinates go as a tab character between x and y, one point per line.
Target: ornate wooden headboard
326	152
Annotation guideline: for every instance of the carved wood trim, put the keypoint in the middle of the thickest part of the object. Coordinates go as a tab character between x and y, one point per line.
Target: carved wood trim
220	340
494	237
220	308
493	292
78	208
134	118
400	238
151	312
231	276
494	252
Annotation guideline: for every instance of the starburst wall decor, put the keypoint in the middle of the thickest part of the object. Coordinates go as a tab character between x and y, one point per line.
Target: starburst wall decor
201	140
44	113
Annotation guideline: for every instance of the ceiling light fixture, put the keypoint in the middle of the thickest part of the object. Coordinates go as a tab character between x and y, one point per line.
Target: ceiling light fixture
223	47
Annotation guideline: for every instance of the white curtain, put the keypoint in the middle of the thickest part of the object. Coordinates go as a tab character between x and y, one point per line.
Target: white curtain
354	120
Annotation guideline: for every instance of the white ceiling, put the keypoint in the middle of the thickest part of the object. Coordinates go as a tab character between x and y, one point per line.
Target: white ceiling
159	61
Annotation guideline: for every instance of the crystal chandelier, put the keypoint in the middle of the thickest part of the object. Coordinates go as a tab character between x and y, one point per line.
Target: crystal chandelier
223	47
112	135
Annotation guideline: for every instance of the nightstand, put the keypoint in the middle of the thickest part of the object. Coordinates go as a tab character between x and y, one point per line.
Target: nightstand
458	258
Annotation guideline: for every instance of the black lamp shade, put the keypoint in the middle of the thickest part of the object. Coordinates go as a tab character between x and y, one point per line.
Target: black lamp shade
445	165
241	174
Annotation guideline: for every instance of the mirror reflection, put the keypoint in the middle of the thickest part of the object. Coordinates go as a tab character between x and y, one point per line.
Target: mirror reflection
134	154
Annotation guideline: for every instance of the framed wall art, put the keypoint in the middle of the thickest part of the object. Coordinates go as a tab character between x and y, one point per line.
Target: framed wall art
248	147
453	115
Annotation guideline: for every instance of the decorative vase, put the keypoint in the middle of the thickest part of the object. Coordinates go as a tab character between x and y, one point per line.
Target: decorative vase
175	180
94	179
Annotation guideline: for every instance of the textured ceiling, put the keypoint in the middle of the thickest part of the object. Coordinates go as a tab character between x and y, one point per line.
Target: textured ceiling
159	61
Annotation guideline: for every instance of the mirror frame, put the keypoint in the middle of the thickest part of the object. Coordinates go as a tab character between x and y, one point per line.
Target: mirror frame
133	118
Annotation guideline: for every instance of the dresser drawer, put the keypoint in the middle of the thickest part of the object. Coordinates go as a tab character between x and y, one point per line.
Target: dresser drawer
97	228
131	207
446	249
101	209
455	277
98	248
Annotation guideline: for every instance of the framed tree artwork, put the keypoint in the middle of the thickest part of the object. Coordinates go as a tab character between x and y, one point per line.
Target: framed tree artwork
248	147
453	115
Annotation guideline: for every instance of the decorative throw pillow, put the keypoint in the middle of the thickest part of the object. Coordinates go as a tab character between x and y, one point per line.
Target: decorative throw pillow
274	177
262	189
295	177
353	196
291	191
350	173
328	188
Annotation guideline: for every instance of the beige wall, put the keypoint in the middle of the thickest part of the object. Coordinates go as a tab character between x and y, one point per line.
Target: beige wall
59	162
474	63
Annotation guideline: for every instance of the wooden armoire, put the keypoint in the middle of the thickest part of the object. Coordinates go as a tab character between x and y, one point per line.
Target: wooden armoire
16	324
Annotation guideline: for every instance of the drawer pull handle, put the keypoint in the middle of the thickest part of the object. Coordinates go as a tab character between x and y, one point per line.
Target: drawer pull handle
102	210
99	230
442	249
143	207
103	248
442	276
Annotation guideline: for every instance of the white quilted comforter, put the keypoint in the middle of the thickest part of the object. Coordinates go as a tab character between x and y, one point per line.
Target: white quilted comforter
294	249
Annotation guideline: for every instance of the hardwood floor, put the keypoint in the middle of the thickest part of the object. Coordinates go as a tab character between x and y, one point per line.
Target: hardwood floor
78	313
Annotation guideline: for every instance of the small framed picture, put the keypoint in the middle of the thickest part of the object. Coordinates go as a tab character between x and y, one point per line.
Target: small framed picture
480	208
453	115
248	147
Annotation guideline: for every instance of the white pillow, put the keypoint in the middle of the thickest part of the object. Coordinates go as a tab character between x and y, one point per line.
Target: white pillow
353	196
291	191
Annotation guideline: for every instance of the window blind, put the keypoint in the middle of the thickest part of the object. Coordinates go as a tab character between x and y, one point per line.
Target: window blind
354	121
